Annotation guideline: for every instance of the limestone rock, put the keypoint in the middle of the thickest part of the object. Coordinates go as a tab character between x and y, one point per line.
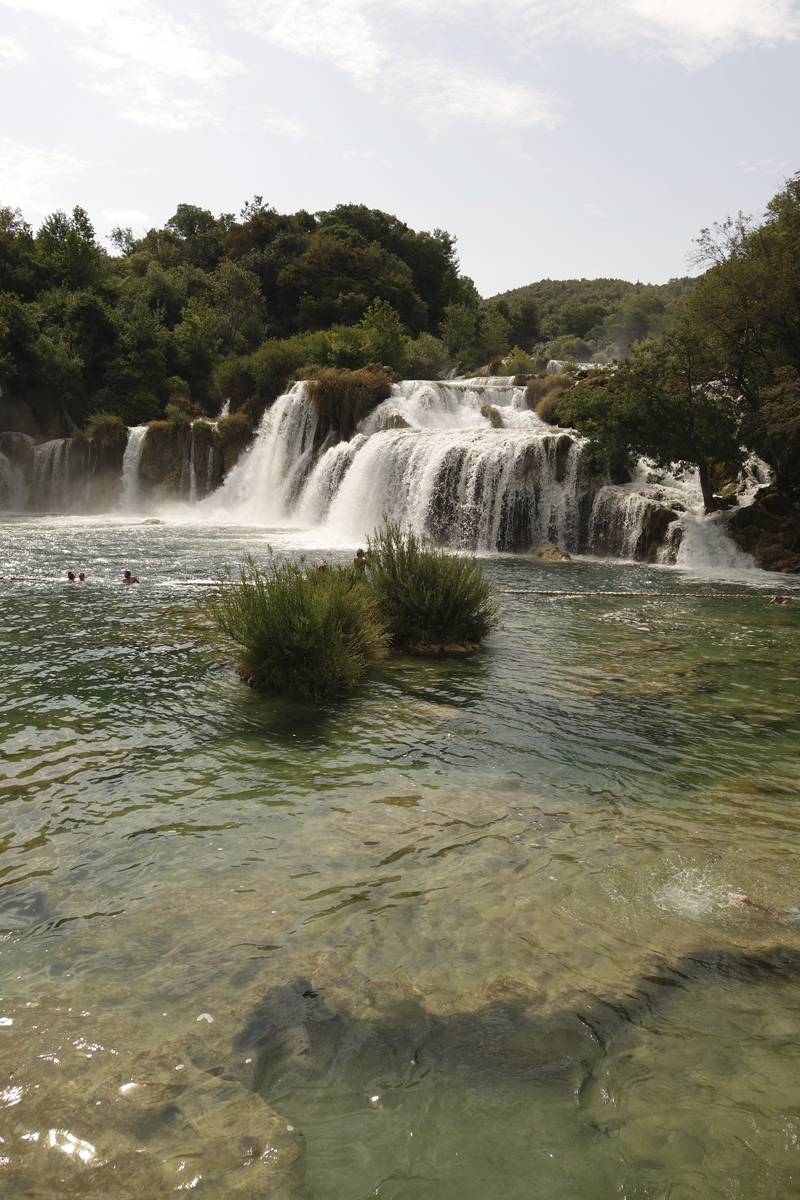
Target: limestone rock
769	529
493	415
547	552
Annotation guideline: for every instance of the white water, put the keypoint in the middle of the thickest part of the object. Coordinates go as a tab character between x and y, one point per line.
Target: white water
53	474
428	458
131	464
13	489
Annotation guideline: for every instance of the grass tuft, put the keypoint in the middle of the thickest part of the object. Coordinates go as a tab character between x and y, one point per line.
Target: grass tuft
428	599
303	630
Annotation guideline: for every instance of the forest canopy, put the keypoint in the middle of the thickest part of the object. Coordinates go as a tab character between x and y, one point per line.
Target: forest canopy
210	308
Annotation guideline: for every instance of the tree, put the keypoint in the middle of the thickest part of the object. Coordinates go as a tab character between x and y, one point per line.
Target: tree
748	302
458	329
494	332
66	247
239	307
663	402
387	336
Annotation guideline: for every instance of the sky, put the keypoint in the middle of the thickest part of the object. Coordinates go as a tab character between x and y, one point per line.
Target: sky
554	138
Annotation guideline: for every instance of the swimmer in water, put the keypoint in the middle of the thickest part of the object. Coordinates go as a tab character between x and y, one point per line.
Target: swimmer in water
81	577
128	578
781	600
783	916
70	576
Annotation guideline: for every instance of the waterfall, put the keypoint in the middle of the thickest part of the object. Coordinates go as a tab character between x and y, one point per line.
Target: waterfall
261	486
192	471
13	489
56	465
429	457
466	463
131	464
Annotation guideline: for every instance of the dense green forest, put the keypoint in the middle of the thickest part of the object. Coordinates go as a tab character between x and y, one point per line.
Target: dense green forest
214	308
211	308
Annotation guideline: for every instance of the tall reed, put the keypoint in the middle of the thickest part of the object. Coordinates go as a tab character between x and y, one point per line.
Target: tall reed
428	599
303	630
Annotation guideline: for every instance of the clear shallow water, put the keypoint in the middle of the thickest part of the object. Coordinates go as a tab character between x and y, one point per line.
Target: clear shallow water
502	880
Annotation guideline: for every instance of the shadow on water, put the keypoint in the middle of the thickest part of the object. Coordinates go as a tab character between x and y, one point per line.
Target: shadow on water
362	1076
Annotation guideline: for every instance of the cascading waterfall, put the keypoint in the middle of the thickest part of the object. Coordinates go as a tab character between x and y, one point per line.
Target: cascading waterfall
57	474
131	466
192	471
465	462
13	488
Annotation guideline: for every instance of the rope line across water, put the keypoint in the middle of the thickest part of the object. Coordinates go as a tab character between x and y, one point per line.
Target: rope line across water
668	595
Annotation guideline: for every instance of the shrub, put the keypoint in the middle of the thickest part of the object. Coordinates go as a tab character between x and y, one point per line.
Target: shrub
428	599
308	631
427	358
548	408
105	430
537	389
346	397
177	416
233	429
518	362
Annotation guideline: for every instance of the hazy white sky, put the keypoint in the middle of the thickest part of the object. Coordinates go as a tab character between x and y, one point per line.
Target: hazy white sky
555	138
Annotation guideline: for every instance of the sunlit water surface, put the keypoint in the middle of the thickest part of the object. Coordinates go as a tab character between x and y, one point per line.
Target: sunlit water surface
465	934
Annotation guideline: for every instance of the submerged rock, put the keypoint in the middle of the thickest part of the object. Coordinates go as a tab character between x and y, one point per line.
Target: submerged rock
547	552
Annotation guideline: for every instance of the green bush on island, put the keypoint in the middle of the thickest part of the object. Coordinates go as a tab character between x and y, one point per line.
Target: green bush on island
428	599
301	630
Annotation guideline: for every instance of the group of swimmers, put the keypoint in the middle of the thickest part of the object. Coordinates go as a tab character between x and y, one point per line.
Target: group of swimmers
126	578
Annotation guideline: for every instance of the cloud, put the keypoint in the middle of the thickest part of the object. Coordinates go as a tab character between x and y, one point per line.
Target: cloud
415	54
358	38
693	32
32	178
12	51
125	217
289	127
334	31
144	59
442	94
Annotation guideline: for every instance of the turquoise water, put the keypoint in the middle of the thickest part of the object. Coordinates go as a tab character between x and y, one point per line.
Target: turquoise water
502	880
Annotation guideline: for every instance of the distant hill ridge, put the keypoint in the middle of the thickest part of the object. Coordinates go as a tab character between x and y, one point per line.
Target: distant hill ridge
595	319
560	295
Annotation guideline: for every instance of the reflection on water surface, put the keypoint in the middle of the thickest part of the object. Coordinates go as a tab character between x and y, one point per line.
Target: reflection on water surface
502	880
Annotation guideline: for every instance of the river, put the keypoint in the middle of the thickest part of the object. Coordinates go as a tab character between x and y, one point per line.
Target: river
472	924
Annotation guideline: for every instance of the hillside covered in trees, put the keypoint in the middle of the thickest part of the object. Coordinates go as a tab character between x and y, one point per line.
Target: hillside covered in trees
214	308
596	319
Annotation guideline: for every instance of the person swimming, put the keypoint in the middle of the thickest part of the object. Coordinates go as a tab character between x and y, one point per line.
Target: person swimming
781	600
70	577
81	577
128	578
783	916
